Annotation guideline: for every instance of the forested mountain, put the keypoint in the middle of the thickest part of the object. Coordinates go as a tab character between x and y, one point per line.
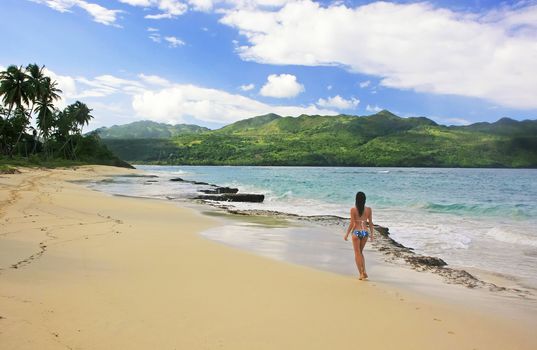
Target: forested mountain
147	129
382	139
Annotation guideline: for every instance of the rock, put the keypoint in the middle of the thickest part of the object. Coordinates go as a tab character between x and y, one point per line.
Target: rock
10	171
425	261
220	190
233	197
382	230
122	164
177	179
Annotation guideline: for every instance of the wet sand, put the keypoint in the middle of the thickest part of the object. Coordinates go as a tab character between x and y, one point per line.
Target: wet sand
85	270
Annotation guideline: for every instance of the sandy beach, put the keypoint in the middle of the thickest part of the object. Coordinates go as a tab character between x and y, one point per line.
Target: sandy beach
80	269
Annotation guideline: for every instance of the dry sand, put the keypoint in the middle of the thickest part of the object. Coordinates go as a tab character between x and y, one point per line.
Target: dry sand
85	270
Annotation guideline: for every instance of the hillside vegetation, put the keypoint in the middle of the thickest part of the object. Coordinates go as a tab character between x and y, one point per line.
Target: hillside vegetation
382	139
147	129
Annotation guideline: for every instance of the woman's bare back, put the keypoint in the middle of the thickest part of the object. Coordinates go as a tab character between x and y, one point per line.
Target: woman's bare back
360	222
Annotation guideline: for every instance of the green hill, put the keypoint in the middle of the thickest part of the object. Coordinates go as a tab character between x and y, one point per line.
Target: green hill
147	129
382	139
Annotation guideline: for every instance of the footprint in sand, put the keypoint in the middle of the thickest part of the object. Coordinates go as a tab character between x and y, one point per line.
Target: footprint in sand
452	333
436	319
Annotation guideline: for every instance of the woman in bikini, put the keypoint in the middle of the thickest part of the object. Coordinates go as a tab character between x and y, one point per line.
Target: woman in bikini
361	216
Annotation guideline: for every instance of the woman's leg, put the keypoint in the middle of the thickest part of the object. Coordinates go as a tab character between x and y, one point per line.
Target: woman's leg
363	241
357	255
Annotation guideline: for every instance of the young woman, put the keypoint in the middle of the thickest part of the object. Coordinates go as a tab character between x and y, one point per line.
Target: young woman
361	216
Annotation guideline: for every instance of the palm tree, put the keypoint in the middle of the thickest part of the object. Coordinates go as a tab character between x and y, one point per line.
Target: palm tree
71	122
44	120
35	76
14	87
81	115
47	92
15	92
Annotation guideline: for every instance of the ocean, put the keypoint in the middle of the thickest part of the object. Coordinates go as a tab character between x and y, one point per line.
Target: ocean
484	219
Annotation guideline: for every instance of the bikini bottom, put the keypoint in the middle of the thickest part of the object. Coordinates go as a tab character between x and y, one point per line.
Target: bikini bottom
361	233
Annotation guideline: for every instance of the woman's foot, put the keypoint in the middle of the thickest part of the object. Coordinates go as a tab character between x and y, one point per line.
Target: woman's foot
365	275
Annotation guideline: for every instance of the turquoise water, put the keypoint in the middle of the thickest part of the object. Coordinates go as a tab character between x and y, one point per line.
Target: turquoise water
480	218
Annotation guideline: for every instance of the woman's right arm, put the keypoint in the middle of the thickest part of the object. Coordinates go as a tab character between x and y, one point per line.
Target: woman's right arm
350	228
371	226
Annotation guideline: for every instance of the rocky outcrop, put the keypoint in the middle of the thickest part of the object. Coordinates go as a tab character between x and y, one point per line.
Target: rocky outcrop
428	261
222	194
233	197
221	190
178	179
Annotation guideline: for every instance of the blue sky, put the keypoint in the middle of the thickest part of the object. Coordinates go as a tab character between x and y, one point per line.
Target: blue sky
213	62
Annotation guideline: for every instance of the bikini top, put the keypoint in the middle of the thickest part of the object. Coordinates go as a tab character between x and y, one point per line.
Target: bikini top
361	223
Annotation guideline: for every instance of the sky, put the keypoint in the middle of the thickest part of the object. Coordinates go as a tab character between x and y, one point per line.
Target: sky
213	62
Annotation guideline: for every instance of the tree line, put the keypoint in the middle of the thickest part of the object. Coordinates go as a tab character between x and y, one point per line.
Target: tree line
28	94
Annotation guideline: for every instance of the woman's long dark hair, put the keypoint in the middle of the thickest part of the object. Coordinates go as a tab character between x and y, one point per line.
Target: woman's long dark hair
360	202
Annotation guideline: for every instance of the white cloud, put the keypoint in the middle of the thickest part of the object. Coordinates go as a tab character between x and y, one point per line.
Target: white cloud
155	37
154	80
373	109
201	5
255	4
116	100
144	3
329	87
99	13
439	51
247	87
106	85
168	8
159	16
338	102
181	100
58	5
173	41
451	121
281	86
172	7
364	84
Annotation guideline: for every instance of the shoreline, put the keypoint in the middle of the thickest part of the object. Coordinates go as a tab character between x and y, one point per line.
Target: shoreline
393	251
119	272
